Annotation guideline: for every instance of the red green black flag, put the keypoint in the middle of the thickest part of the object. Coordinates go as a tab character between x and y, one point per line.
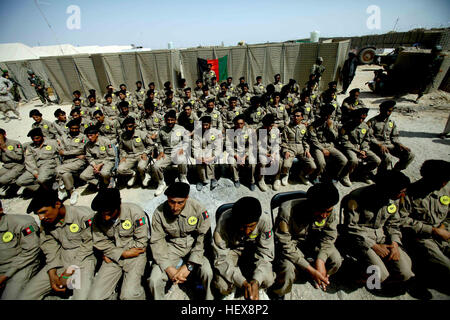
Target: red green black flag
220	67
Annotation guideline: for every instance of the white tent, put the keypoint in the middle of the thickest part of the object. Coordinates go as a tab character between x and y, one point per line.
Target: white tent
57	50
16	52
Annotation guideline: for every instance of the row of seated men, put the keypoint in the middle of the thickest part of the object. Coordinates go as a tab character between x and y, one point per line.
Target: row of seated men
147	143
396	230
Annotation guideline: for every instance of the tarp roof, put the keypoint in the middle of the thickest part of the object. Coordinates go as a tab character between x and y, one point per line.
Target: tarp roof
16	51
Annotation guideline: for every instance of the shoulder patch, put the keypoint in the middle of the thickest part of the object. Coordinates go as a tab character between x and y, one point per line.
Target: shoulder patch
88	223
268	234
29	230
140	222
205	215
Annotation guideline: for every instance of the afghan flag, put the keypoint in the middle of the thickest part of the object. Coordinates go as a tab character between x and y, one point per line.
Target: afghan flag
220	67
140	222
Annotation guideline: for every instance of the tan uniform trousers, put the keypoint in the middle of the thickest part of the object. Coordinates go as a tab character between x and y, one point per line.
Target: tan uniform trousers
158	278
28	180
288	272
16	284
205	172
9	105
161	164
39	286
372	161
336	161
225	287
307	164
126	167
64	172
401	269
10	172
108	276
89	176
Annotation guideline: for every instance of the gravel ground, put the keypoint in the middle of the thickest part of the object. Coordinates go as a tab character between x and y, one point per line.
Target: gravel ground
419	125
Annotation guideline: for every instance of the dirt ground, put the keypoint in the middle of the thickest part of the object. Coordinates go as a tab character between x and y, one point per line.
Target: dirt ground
419	126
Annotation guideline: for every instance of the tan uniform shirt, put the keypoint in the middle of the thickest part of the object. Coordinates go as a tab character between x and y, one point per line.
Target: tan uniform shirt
294	136
45	155
185	232
13	153
69	242
47	127
296	228
19	243
228	240
134	145
130	230
100	151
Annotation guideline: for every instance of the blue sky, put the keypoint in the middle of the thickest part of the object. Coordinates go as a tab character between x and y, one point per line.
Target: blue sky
153	24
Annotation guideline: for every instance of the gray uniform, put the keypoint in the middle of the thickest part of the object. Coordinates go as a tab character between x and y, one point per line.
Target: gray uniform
179	237
295	142
170	141
421	213
385	132
207	77
101	151
6	99
239	258
353	139
371	222
111	111
68	243
151	124
110	129
47	127
244	100
130	230
259	89
61	129
280	114
239	145
299	238
254	116
71	164
348	105
42	161
207	145
323	137
19	249
13	162
228	116
132	147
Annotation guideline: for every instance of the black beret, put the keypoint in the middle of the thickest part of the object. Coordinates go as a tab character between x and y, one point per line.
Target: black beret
58	112
92	129
255	100
268	119
359	112
170	114
332	83
128	120
206	119
388	104
42	198
436	170
106	199
354	90
327	109
35	132
178	190
246	210
323	195
74	122
392	181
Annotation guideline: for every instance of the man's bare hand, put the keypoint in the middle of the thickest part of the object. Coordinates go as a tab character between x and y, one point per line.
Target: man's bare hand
181	275
320	281
133	252
171	272
247	290
384	149
106	259
394	254
254	290
441	233
3	280
55	281
381	250
326	153
144	157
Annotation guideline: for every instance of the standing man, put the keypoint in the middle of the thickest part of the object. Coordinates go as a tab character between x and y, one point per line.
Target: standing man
11	156
348	71
120	232
244	249
19	253
208	75
66	240
385	139
6	99
39	85
307	228
178	230
318	69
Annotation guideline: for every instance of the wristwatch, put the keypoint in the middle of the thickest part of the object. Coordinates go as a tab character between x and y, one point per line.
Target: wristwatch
189	266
